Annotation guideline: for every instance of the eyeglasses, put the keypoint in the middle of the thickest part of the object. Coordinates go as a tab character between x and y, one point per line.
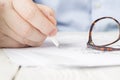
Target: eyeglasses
104	47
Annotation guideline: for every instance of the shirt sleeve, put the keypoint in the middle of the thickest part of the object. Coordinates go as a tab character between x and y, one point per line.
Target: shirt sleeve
77	15
72	15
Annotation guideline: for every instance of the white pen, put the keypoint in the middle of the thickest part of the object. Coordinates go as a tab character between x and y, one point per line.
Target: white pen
54	40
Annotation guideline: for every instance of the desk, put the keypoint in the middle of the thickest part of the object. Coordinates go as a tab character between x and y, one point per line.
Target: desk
8	71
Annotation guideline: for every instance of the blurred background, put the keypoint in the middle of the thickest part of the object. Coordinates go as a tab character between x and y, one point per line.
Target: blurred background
77	15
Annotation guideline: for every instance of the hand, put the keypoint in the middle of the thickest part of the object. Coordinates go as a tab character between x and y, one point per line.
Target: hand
24	23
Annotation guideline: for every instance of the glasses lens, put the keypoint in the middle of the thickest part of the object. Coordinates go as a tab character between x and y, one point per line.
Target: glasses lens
105	31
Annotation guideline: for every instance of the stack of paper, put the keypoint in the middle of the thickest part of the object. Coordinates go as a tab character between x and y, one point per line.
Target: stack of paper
72	52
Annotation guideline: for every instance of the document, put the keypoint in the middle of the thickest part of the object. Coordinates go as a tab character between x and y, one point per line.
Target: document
72	52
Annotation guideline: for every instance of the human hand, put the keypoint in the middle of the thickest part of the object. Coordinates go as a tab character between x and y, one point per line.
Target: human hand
24	23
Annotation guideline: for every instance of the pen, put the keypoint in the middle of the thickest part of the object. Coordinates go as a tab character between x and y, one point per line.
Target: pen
54	40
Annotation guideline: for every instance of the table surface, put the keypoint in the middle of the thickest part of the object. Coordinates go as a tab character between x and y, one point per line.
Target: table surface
9	71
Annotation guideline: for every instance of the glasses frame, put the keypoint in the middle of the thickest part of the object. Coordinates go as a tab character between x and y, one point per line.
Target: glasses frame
90	43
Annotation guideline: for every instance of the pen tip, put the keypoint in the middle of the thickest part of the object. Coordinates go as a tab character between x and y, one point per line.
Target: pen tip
54	40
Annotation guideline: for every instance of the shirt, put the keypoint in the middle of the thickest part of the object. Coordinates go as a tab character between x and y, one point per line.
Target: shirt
77	15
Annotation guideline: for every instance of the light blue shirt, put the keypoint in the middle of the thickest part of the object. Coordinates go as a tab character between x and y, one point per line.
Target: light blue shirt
77	15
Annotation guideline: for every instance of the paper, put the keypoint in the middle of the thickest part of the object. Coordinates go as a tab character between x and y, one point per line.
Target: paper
72	51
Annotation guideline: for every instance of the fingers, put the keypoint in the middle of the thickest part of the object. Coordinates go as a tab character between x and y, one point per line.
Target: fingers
34	37
30	12
21	31
6	42
5	29
48	12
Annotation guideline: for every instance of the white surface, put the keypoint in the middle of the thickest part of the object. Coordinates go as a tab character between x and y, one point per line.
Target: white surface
71	52
109	73
8	70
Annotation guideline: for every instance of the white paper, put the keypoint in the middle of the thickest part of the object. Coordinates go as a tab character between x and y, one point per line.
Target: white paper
72	52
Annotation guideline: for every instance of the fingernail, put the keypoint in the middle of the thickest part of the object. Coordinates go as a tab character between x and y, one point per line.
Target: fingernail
53	32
